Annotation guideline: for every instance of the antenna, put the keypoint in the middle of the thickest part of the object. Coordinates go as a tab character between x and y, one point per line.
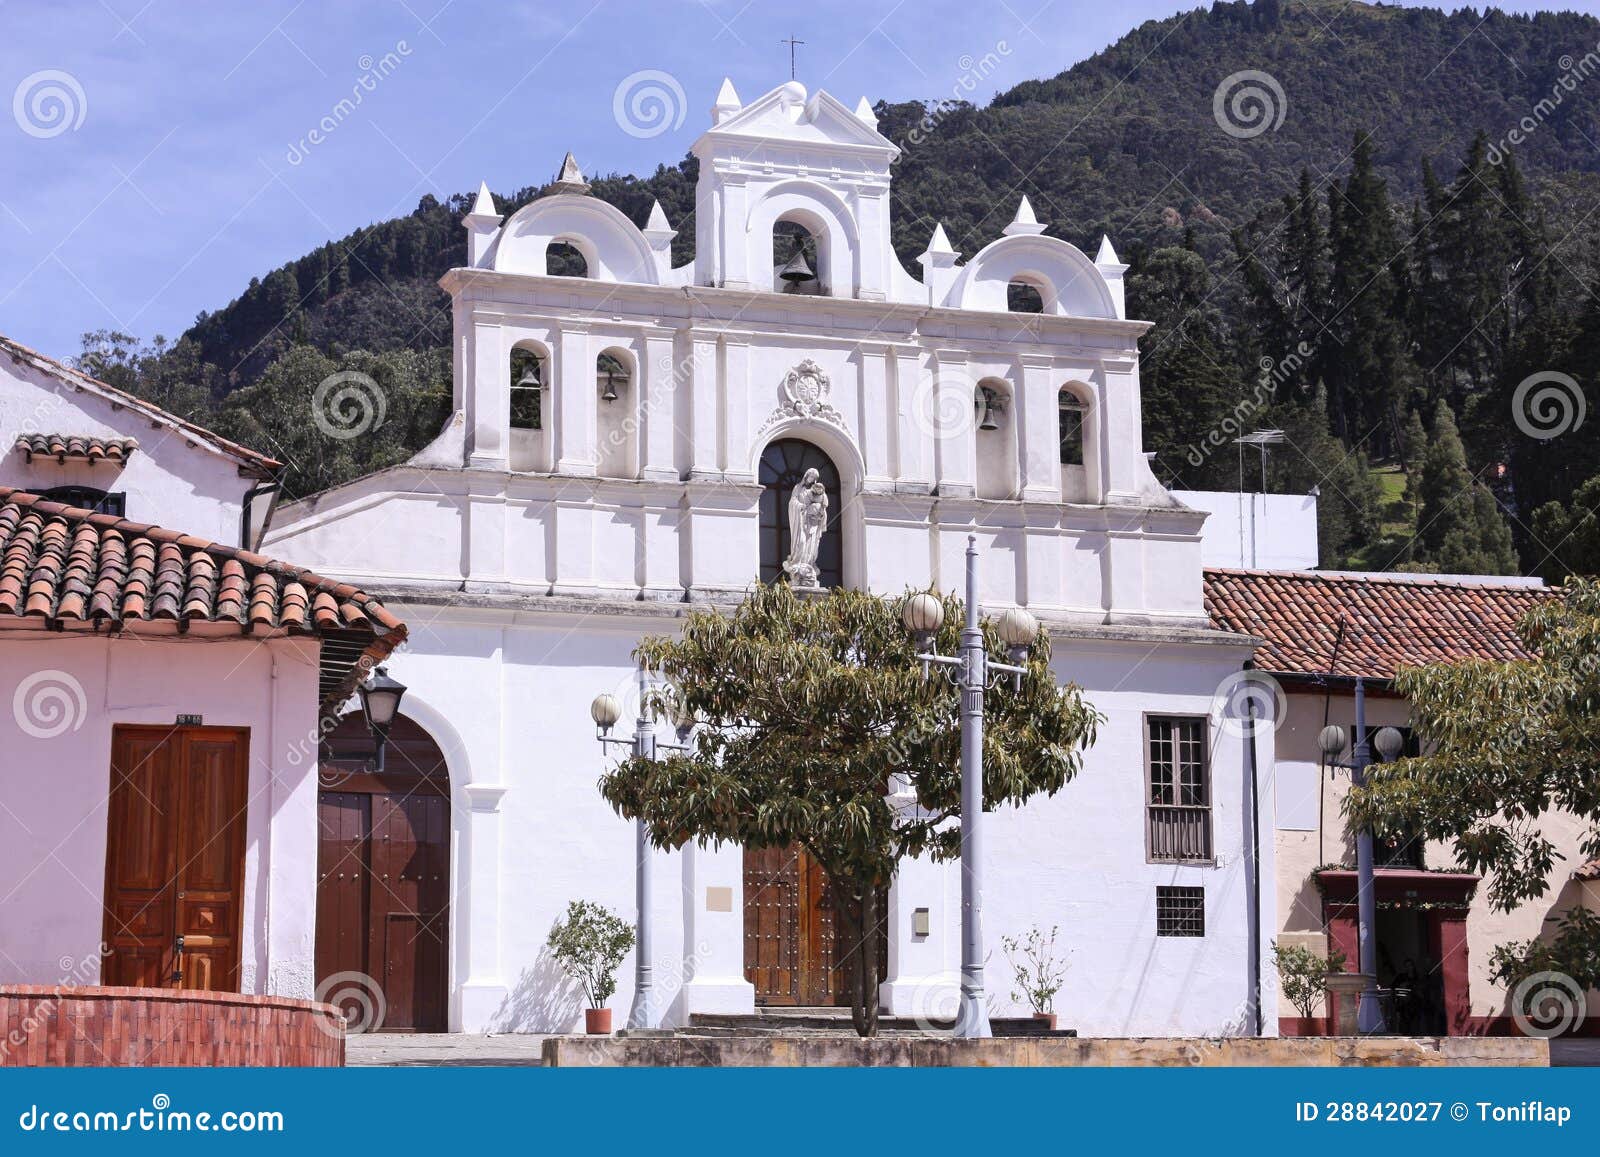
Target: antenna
1261	440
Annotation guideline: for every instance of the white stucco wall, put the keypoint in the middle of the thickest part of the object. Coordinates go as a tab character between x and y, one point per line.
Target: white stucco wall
53	822
1077	860
1256	531
170	480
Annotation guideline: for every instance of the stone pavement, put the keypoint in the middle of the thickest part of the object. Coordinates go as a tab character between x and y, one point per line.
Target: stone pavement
451	1049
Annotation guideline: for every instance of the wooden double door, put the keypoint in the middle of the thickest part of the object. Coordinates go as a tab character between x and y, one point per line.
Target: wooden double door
174	898
793	938
383	882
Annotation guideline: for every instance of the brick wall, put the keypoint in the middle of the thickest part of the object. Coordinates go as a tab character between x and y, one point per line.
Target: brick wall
56	1025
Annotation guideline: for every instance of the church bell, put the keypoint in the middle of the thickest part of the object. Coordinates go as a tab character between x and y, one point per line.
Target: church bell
797	271
989	405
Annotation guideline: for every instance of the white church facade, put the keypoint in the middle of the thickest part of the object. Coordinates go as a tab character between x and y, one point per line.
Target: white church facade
623	448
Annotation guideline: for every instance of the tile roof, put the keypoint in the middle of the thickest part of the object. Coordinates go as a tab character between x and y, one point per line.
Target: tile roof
79	448
1589	871
1389	620
254	461
63	564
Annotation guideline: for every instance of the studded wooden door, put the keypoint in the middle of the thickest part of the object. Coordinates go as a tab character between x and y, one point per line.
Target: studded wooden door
175	841
788	928
383	881
791	943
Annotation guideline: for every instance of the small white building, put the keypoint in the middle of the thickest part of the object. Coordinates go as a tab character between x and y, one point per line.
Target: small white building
163	691
623	445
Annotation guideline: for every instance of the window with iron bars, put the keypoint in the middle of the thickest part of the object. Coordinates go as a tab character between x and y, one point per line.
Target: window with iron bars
1180	911
1178	815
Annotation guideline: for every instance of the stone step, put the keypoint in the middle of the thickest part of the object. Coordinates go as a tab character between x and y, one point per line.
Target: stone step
827	1022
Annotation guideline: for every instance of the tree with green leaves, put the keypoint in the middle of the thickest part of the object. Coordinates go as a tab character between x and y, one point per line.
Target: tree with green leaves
1459	527
1566	536
818	728
1510	743
329	429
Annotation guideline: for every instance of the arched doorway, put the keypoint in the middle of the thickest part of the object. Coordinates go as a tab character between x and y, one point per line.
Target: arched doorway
383	877
783	464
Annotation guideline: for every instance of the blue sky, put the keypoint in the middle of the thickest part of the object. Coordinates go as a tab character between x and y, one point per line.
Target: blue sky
178	162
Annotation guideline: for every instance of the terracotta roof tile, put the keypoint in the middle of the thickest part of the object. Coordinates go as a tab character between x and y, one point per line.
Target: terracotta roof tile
1388	621
68	565
1589	871
77	447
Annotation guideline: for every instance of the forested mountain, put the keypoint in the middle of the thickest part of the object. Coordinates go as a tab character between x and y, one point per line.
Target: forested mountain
1375	272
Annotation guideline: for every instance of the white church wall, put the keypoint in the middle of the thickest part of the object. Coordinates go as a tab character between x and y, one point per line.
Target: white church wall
516	688
1077	860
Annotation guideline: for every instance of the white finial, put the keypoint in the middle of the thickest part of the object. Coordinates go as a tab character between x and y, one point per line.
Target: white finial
483	206
1025	221
570	179
727	103
1107	255
657	231
939	243
864	113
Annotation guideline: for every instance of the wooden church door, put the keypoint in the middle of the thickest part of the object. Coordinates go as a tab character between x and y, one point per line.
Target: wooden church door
383	880
793	953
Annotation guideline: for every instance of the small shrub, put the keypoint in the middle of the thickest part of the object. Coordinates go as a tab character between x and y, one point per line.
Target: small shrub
590	945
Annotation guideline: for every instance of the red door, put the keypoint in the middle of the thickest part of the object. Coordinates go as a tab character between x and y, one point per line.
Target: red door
175	841
383	890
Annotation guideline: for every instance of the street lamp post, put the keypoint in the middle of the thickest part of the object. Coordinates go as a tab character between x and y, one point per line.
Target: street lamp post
606	711
923	616
1369	1010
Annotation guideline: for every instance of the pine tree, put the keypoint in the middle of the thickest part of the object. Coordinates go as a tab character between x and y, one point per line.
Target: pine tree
1459	527
1369	369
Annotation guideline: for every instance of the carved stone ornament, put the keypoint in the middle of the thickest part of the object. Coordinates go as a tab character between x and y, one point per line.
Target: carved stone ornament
805	395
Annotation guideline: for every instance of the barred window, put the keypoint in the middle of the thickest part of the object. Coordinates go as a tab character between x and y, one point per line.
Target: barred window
1178	820
1180	911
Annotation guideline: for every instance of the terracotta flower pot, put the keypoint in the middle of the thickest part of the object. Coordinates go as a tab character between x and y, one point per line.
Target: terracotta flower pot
597	1021
1048	1019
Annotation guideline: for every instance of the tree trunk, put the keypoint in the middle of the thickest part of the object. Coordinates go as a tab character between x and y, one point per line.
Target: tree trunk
856	914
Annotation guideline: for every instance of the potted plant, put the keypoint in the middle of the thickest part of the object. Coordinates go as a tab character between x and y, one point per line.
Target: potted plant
589	945
1304	977
1037	974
